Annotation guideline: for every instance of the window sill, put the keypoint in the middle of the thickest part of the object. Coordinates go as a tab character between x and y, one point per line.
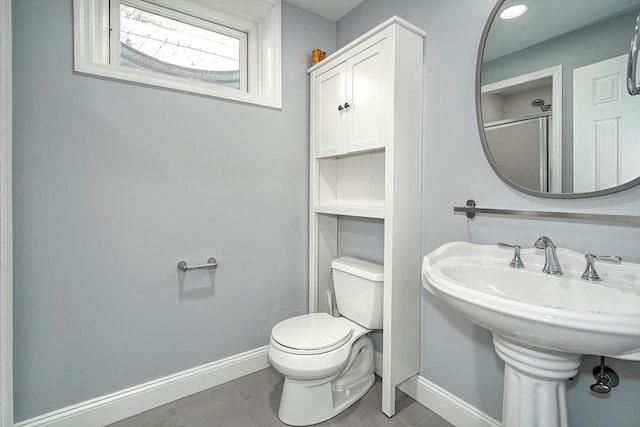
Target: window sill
183	85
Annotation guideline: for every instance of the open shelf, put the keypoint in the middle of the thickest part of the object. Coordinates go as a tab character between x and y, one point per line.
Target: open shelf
358	211
352	183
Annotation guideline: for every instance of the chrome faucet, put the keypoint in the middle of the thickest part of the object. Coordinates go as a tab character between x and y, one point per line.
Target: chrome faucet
551	263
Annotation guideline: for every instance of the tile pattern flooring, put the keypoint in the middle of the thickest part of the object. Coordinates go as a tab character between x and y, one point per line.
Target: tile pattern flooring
252	401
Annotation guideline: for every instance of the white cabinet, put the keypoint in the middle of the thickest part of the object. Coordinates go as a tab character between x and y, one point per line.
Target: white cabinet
366	157
351	103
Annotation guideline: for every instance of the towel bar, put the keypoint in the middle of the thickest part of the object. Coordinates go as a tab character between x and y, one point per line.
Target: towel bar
211	264
471	211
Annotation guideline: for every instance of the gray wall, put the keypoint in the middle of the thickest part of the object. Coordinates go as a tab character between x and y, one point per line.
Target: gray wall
454	353
114	183
596	43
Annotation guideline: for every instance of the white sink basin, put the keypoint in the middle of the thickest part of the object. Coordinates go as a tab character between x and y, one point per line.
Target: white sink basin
541	324
560	313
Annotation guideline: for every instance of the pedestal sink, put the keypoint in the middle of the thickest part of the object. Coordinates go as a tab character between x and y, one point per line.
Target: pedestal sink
541	324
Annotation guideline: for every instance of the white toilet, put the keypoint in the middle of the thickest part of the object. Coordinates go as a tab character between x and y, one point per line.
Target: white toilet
328	361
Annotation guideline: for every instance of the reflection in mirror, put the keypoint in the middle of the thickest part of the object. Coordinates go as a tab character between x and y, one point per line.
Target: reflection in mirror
555	115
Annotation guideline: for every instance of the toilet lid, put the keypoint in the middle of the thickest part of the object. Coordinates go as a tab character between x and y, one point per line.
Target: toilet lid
312	333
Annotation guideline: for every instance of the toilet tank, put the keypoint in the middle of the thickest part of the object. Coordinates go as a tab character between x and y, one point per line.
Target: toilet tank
358	289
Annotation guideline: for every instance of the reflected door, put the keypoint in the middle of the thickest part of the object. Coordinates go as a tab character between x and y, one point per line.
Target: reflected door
606	136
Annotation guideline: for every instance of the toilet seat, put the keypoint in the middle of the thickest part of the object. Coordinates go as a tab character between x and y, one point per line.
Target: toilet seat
301	348
314	333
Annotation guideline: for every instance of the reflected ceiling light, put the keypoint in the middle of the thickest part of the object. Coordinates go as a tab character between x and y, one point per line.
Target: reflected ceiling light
513	11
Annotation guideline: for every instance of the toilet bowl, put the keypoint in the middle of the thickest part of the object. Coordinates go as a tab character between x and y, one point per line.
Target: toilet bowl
328	361
312	360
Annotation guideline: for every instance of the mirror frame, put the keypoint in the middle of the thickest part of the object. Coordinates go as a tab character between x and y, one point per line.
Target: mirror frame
485	145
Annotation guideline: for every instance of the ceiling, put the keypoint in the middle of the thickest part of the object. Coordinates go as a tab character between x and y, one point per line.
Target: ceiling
330	9
547	19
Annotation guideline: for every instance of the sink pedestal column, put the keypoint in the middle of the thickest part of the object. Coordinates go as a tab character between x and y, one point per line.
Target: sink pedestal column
534	384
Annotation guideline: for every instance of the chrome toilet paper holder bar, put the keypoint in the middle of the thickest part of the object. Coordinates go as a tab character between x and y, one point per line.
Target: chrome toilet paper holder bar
211	264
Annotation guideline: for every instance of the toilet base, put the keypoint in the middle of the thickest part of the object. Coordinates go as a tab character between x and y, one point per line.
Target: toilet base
306	402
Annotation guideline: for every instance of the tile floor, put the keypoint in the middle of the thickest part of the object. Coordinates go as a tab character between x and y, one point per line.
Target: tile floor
252	401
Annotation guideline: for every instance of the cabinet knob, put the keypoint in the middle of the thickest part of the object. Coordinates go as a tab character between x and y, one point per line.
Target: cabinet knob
346	105
340	108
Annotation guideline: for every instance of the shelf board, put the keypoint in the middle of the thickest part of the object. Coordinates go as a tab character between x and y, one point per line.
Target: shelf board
359	211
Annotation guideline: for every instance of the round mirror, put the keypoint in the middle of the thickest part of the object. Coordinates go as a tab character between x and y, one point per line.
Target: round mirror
554	113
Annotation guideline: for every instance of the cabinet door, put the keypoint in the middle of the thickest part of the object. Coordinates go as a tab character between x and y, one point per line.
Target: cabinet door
330	124
366	95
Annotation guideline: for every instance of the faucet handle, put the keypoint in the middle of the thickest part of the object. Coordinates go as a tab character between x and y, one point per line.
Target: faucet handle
516	262
590	274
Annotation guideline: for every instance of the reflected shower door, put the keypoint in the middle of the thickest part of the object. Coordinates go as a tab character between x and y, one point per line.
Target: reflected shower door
520	150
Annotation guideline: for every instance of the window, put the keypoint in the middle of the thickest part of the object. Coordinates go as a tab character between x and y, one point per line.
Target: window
182	47
228	49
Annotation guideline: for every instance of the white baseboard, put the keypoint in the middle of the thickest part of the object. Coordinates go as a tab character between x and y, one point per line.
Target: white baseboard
450	407
126	403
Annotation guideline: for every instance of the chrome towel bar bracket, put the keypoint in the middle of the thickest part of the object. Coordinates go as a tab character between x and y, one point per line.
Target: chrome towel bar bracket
211	264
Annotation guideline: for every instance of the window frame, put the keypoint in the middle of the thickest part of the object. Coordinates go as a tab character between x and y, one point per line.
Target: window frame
259	19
